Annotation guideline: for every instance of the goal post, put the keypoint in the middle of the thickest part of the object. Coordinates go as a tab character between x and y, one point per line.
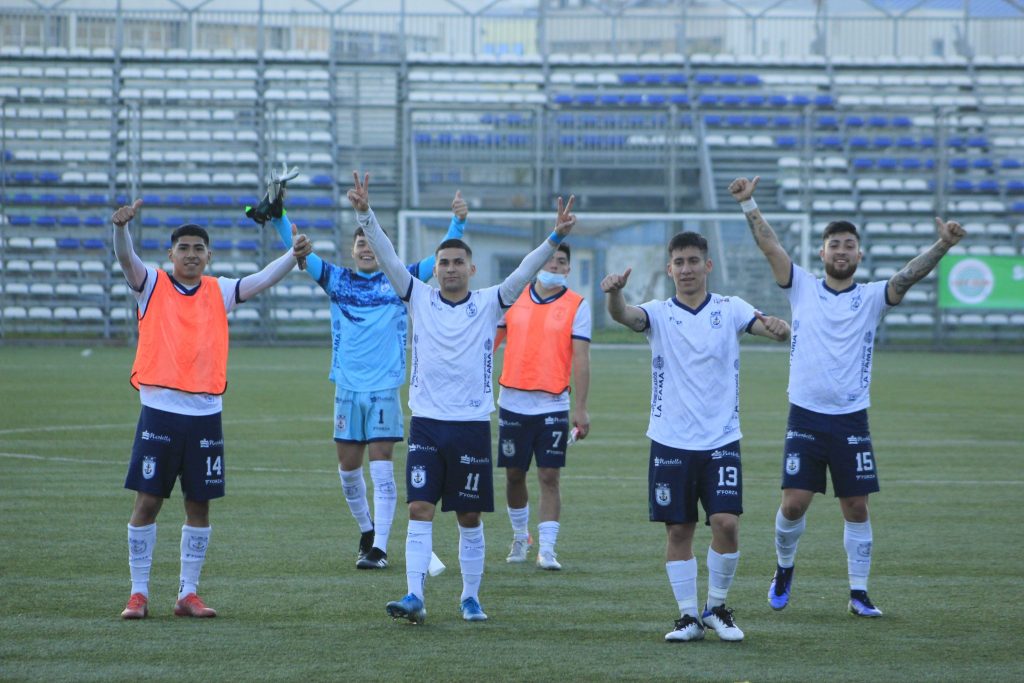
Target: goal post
608	242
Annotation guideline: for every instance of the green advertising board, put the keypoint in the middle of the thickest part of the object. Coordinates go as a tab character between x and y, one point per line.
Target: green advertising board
981	282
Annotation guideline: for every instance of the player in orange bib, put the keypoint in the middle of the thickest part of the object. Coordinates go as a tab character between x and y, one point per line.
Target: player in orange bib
548	332
180	371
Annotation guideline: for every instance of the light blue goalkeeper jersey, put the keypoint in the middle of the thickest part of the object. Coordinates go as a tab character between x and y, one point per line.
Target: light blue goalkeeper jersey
369	322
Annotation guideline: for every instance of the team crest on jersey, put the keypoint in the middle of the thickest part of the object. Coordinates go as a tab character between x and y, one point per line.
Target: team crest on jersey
658	363
508	448
148	467
418	476
716	319
471	310
792	464
662	494
855	302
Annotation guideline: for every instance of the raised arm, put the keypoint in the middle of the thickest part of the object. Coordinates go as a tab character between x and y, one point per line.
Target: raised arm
950	233
770	326
460	209
387	257
251	285
132	266
742	190
284	227
632	317
513	285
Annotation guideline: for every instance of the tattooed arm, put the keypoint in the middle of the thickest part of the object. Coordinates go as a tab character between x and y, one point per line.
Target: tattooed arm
949	234
742	191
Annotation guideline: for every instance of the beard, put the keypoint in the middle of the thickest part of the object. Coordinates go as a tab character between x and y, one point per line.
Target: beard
840	273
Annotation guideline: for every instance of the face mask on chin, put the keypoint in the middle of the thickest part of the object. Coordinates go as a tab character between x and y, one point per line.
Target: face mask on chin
551	280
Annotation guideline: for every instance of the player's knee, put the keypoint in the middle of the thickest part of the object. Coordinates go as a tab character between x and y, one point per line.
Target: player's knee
515	476
421	511
725	527
855	509
548	477
469	520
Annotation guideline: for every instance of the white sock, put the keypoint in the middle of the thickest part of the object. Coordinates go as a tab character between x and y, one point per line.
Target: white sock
385	497
141	541
520	519
682	576
354	488
419	544
721	571
548	532
471	560
857	539
194	541
787	537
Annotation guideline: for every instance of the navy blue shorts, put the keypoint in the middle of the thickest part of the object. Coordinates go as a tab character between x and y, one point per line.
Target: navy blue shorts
451	462
677	479
524	436
168	446
839	443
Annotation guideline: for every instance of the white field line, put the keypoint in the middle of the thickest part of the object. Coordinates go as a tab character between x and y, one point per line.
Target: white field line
568	476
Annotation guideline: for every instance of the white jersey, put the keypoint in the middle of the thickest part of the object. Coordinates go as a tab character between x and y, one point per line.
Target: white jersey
541	402
833	343
453	353
172	400
695	371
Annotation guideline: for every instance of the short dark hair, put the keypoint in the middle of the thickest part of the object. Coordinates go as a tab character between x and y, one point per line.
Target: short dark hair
565	249
839	227
454	243
681	240
189	229
362	233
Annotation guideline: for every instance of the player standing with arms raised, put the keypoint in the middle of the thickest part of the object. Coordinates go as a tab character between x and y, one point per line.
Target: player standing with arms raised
834	323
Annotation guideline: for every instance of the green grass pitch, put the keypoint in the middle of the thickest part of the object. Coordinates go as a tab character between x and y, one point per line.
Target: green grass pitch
947	567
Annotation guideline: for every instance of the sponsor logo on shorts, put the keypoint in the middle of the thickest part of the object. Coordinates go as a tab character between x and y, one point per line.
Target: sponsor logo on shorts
718	455
471	496
421	448
794	434
508	448
418	477
214	482
792	463
855	440
150	436
664	462
148	467
727	492
472	460
210	443
509	423
662	494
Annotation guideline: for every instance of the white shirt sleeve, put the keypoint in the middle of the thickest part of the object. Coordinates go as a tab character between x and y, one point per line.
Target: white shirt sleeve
398	275
514	284
582	324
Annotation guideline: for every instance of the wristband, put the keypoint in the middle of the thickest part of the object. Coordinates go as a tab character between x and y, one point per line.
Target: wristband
555	237
748	205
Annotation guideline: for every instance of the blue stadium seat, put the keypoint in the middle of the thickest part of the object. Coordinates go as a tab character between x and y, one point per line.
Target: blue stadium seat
469	139
223	200
959	164
736	120
757	121
68	244
926	142
728	79
708	100
783	121
705	79
71	198
201	221
248	245
222	244
732	100
956	141
94	244
887	163
422	138
70	221
827	121
20	221
833	141
322	179
488	119
174	200
676	79
963	185
565	119
562	98
901	122
299	202
122	199
151	199
323	224
755	100
624	79
681	99
863	163
800	100
198	200
1015	186
988	186
592	121
882	141
150	243
222	223
751	80
982	163
323	203
48	177
910	164
173	221
654	79
655	100
685	121
94	222
586	99
785	140
632	100
610	99
23	177
45	221
1011	163
878	121
150	221
824	101
853	121
22	198
514	119
906	142
778	100
47	198
712	120
96	199
859	142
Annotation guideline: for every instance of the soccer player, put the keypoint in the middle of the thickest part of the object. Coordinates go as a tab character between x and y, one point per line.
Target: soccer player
368	323
450	396
548	332
695	425
834	322
180	371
